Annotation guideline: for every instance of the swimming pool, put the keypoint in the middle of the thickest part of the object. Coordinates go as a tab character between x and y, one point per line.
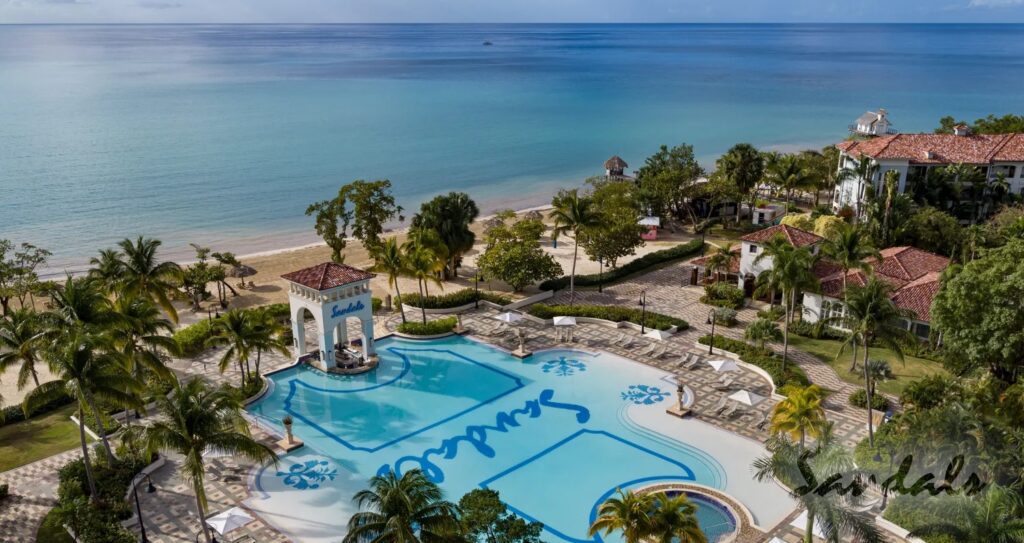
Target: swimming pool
555	435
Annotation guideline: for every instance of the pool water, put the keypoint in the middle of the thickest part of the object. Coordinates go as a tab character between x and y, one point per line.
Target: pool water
555	434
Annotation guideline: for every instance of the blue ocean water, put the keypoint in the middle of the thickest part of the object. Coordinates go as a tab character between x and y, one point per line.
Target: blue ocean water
223	135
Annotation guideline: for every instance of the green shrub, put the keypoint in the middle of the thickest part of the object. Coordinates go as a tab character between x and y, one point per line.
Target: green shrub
612	313
458	298
929	392
192	339
654	258
860	399
762	358
52	528
725	316
95	522
914	512
816	331
773	314
430	328
14	413
376	303
723	295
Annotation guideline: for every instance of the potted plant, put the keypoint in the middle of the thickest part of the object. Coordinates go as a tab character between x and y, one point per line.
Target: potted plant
287	420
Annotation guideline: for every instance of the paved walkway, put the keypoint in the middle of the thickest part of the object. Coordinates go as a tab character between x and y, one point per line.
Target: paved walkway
33	490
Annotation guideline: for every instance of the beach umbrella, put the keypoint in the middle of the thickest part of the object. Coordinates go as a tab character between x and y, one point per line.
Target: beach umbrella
723	365
746	397
800	523
241	271
564	321
659	335
650	221
229	520
510	317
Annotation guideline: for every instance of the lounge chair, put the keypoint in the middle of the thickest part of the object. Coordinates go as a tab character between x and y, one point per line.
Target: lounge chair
617	339
724	385
683	359
657	352
646	350
729	412
764	421
720	405
695	363
627	341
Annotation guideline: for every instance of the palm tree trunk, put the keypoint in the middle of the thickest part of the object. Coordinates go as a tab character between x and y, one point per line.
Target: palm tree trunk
93	495
867	395
202	512
785	338
423	309
102	431
35	375
259	355
401	306
809	527
231	288
572	276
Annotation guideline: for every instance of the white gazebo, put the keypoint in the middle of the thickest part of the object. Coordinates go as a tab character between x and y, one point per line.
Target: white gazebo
332	293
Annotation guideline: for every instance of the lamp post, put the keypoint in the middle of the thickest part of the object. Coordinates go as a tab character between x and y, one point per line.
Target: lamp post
600	274
138	508
711	321
476	285
703	235
643	311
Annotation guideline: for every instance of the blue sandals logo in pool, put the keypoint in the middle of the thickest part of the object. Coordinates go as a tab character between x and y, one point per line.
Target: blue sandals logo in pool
644	394
563	367
308	475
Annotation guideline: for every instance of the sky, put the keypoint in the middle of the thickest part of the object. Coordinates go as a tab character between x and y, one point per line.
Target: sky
428	11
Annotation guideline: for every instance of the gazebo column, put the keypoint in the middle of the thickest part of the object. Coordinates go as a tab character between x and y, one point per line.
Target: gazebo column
341	333
368	348
299	335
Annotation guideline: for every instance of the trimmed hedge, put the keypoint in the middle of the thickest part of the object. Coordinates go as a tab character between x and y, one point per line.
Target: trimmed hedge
859	398
654	258
455	299
429	328
97	522
608	312
723	295
13	413
814	331
762	358
725	316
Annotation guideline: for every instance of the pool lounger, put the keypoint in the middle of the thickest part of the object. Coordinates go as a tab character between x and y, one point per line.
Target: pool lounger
719	406
725	384
696	363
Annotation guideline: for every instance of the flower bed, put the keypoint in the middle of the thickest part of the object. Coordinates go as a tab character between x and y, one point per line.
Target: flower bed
612	313
762	358
429	328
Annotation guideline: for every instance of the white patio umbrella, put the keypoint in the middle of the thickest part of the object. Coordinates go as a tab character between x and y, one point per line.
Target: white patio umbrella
229	520
723	365
746	397
800	523
564	321
659	335
510	317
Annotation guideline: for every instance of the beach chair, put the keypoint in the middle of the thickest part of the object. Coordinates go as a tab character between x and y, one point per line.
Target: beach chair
657	351
646	350
683	359
627	341
764	422
618	339
720	405
729	411
695	362
725	384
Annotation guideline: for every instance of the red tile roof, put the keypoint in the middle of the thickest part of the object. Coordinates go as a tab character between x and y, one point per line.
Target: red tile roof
734	264
327	276
795	236
940	148
913	274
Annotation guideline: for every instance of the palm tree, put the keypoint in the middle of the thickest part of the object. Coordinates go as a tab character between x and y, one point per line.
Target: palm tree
890	185
800	414
402	509
851	251
572	213
627	512
388	258
267	335
196	418
146	276
20	340
873	318
743	166
722	257
864	171
997	516
429	243
141	336
85	370
236	330
789	174
449	216
107	268
423	265
77	303
791	271
674	520
837	515
762	331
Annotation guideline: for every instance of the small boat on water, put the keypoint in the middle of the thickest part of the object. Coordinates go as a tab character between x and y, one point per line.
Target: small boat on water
488	43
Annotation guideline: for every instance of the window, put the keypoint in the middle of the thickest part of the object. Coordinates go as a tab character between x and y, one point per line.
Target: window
1009	171
753	248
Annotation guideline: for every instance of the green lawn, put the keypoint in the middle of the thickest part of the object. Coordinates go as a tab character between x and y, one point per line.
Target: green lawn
37	438
911	369
51	530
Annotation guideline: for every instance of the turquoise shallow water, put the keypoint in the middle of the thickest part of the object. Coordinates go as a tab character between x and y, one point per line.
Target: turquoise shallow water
554	435
224	134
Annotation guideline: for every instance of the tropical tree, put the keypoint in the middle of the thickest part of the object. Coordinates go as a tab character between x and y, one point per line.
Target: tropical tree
373	206
484	517
402	509
108	269
145	275
237	330
721	258
668	181
141	337
617	232
762	331
800	414
84	369
572	213
267	335
78	303
423	265
790	271
674	520
332	219
628	513
863	171
996	516
851	250
20	340
874	319
450	216
802	471
196	418
743	166
389	259
788	174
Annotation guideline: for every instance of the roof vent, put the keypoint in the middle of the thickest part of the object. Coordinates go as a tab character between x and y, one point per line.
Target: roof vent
962	130
930	155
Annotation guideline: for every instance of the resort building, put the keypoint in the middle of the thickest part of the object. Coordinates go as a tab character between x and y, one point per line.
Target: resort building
873	123
916	156
330	294
615	167
914	275
753	244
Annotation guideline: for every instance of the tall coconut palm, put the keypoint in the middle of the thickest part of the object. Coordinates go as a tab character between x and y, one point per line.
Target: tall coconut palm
431	247
789	174
79	302
236	330
196	418
402	509
85	370
628	513
449	216
389	259
800	414
107	269
268	335
996	516
721	258
141	337
851	250
423	265
743	165
674	520
145	275
863	172
873	318
21	337
837	516
791	270
572	213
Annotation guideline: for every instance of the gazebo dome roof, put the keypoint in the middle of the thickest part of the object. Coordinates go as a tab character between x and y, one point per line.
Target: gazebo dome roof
327	276
615	163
